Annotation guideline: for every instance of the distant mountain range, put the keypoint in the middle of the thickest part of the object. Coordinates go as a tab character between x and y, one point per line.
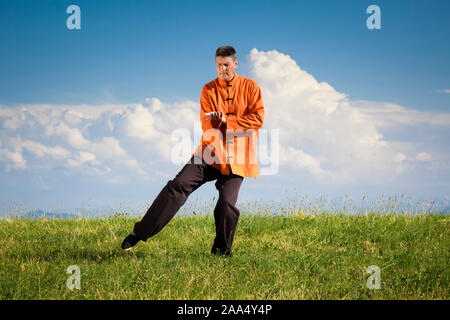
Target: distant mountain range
44	214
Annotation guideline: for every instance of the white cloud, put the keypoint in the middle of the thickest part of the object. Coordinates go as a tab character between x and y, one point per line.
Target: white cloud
83	157
138	122
97	139
386	114
399	157
302	160
17	145
40	150
13	160
312	117
325	133
423	156
73	136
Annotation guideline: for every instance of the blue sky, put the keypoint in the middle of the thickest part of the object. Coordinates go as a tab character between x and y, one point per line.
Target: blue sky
130	51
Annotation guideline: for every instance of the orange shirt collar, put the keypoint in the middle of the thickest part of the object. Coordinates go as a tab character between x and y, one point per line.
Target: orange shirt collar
223	83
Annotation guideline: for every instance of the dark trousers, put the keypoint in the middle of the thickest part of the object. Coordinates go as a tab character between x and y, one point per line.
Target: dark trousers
175	194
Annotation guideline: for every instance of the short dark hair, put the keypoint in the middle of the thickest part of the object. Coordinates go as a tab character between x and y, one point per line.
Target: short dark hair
226	51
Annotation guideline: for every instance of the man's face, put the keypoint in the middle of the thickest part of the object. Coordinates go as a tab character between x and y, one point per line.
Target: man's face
225	67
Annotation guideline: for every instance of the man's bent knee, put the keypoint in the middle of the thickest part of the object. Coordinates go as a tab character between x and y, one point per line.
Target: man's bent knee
176	186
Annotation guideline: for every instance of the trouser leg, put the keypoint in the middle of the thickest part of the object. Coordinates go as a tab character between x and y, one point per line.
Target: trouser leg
226	214
172	197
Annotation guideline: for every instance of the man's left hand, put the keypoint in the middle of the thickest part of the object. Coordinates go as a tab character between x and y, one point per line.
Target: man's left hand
216	115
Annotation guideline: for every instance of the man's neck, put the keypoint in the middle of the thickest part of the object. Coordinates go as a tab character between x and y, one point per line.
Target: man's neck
234	75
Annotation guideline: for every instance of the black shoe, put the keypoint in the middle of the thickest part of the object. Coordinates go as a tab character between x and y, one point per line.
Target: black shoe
129	242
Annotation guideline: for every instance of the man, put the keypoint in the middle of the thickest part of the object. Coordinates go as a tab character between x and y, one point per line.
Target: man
231	113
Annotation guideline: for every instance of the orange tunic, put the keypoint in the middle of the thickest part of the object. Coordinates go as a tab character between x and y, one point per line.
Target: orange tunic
231	146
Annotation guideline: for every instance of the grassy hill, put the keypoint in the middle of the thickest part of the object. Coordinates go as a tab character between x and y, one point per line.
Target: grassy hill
276	257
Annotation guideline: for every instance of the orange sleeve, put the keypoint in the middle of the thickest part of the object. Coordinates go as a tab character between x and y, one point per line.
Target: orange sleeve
253	117
205	107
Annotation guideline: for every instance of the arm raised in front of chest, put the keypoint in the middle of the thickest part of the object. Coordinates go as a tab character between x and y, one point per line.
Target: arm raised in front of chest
207	111
253	117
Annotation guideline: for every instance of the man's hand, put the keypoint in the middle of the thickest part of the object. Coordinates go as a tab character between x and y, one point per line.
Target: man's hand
216	115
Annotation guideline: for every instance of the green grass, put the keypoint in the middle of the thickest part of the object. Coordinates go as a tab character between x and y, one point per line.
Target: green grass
276	257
